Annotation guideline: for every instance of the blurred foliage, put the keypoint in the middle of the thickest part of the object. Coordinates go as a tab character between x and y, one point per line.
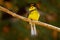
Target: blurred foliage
20	30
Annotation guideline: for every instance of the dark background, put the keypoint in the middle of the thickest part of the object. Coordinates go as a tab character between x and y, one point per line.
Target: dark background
15	29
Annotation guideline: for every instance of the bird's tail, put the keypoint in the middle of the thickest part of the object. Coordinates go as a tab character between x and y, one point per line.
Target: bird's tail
33	30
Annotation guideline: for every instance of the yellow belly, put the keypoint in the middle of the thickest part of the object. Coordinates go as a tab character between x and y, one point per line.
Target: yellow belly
34	15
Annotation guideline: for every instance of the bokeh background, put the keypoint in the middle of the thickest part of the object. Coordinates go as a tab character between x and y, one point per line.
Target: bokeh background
15	29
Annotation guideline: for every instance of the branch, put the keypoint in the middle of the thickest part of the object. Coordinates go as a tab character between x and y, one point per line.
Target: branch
28	20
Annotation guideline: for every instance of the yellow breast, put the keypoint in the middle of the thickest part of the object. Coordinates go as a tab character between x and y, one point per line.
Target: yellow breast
34	15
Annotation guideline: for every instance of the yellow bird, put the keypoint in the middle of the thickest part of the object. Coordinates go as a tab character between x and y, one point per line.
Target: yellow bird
34	15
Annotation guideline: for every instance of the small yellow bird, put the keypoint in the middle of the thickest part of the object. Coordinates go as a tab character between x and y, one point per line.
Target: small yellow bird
34	15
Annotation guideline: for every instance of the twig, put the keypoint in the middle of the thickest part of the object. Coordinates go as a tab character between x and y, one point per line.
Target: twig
28	20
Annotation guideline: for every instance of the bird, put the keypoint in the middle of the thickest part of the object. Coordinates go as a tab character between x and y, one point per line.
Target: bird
33	15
